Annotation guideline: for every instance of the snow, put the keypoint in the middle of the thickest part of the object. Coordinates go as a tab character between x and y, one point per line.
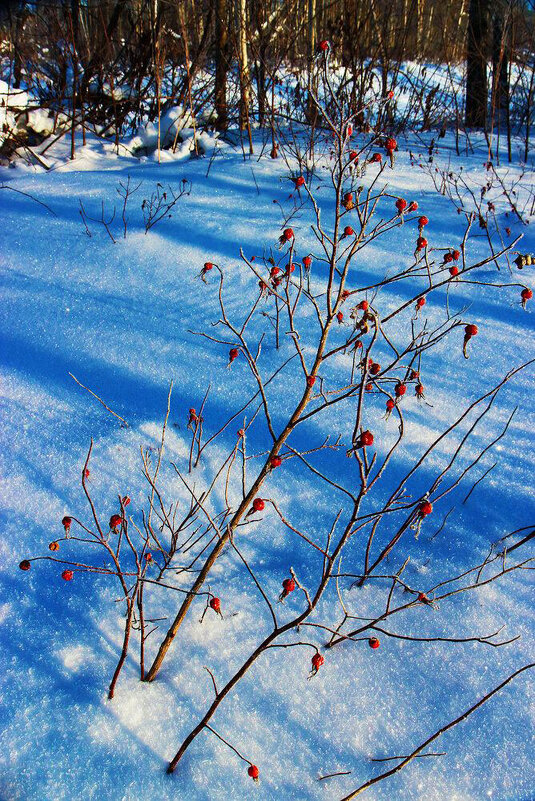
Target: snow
119	317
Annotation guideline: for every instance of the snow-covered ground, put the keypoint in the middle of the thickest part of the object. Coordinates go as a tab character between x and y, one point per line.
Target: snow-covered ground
119	317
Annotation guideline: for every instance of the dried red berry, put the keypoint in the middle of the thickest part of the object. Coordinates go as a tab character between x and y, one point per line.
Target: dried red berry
288	585
348	231
373	642
125	500
115	521
375	368
401	205
400	389
390	405
317	662
53	546
253	770
276	461
67	575
391	144
363	305
456	255
376	158
421	243
288	234
258	505
526	295
425	509
448	257
413	206
454	271
311	380
353	156
368	387
340	317
207	267
148	556
422	221
420	302
366	439
307	261
419	390
67	522
324	45
471	330
232	354
25	564
300	181
422	598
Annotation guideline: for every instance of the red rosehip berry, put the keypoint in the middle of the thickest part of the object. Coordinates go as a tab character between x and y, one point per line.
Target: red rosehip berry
391	144
376	158
366	439
241	432
207	267
148	556
471	330
53	546
425	509
401	204
307	261
340	317
390	405
354	156
125	500
400	389
421	243
324	45
373	642
419	390
311	380
253	770
215	604
274	271
422	221
276	461
288	585
456	255
454	271
258	505
375	368
300	181
288	234
422	598
317	662
448	257
25	564
414	374
67	523
390	95
232	354
420	302
115	521
526	295
363	305
348	231
67	575
368	387
413	206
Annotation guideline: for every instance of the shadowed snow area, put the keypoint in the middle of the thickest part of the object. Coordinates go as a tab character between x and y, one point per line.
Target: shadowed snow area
121	318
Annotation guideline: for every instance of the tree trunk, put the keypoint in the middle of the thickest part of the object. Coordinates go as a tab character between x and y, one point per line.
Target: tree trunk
221	64
476	64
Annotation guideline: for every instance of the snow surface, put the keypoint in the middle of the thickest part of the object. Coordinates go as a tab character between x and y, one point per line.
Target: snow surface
119	317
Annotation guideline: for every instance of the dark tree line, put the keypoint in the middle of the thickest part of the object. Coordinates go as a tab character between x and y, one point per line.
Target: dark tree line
71	51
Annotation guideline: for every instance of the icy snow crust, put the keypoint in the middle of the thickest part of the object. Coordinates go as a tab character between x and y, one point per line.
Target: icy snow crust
119	318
